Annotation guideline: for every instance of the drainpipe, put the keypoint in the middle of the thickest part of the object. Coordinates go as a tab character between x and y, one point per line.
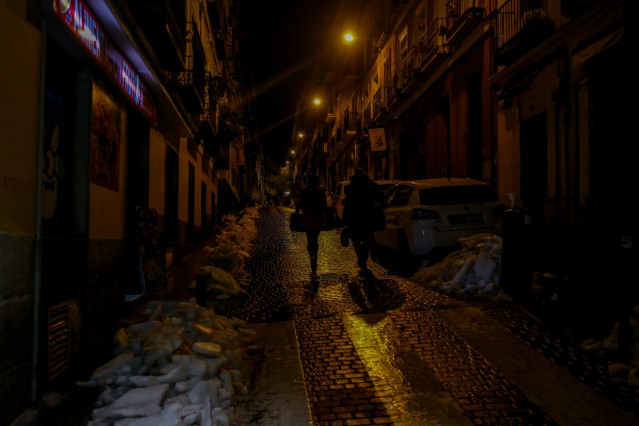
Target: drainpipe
562	98
565	90
37	257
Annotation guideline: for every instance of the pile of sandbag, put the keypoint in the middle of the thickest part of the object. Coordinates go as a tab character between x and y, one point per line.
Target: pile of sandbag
226	276
625	372
474	269
182	366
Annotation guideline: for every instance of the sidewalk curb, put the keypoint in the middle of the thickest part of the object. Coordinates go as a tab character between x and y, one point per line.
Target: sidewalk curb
279	395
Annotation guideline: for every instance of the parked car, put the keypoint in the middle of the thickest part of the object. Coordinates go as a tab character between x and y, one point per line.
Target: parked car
386	185
340	193
429	214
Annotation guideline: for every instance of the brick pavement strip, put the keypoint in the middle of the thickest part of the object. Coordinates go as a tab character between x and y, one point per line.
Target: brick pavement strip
335	376
342	387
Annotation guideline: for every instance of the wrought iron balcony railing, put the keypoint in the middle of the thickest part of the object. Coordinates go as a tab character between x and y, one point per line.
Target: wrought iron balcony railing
433	46
462	15
519	26
190	84
407	69
351	122
377	103
367	117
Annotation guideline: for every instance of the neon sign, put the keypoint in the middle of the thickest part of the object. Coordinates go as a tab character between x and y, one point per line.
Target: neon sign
79	19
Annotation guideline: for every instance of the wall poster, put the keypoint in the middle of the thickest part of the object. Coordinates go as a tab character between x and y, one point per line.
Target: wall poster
105	141
378	139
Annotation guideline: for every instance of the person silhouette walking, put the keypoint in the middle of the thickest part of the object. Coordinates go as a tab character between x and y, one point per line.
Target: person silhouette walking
361	196
313	206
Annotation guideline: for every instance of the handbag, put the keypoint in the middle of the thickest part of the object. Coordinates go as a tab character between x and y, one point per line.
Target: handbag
334	220
344	236
295	223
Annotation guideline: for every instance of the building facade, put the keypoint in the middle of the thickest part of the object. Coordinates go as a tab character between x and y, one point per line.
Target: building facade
522	94
410	97
126	127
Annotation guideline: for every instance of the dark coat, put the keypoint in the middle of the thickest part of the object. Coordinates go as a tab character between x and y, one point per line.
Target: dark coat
313	206
362	193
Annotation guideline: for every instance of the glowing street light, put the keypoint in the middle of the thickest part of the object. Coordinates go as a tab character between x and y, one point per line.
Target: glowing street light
293	151
300	135
317	101
349	37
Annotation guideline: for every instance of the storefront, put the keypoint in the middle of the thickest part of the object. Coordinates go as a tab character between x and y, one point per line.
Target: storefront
98	115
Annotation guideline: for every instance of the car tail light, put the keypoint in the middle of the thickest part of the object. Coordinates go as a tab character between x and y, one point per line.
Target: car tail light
499	210
423	214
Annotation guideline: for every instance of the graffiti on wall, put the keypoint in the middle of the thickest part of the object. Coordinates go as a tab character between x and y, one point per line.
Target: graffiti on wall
105	141
53	164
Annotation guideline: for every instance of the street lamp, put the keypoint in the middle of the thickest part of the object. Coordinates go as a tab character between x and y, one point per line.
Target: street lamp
317	101
349	37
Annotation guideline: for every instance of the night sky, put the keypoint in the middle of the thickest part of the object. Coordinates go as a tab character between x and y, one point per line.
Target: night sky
282	39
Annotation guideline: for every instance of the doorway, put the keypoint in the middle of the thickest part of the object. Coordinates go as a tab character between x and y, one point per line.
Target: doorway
171	198
190	226
475	142
534	165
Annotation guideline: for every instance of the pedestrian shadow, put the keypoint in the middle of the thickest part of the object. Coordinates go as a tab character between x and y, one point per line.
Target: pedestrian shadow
375	295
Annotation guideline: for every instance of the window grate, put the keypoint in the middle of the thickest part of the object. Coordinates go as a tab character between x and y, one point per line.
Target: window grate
59	339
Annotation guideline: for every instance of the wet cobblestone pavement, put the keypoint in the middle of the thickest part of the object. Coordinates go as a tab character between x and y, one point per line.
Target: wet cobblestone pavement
379	349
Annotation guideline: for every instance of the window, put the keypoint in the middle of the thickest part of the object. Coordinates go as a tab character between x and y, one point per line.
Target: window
399	197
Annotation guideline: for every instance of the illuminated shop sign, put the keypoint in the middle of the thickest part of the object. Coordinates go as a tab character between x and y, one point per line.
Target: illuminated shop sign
77	16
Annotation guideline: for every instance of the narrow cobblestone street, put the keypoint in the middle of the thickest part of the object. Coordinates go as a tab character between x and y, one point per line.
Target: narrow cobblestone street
379	349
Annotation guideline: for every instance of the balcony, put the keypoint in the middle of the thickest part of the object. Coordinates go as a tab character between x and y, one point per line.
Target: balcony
207	130
337	149
351	125
164	25
378	106
433	47
462	17
520	25
367	118
407	75
190	84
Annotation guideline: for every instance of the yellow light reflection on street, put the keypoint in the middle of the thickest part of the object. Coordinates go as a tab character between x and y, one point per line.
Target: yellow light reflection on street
416	399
